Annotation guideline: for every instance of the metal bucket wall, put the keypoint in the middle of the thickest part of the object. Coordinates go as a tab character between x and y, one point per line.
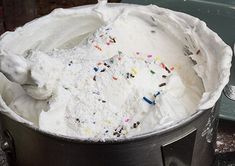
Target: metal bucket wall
190	143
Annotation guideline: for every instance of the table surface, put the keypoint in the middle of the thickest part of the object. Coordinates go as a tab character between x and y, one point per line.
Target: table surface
225	150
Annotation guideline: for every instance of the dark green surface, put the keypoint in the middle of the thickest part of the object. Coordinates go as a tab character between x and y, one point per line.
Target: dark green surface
219	15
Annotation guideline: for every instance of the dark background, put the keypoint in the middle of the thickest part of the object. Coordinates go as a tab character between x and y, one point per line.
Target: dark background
14	13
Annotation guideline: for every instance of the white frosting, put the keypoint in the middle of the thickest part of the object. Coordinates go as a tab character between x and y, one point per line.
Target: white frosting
109	71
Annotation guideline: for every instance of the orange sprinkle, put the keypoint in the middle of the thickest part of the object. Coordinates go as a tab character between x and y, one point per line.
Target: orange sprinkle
115	78
98	47
99	63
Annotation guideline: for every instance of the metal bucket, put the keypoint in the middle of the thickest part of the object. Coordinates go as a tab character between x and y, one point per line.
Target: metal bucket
189	143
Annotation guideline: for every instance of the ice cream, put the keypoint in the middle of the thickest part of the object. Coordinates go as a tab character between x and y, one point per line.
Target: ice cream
121	71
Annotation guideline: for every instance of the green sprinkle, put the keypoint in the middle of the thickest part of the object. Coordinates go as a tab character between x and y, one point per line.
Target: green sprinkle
119	52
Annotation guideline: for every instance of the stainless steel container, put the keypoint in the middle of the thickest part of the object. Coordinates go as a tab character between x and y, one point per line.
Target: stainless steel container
189	143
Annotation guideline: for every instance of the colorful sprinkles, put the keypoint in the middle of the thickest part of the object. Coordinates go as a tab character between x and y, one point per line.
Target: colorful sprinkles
112	39
152	72
134	70
167	69
187	51
94	78
102	66
163	65
115	78
157	58
162	84
105	64
78	120
135	125
149	101
198	52
70	63
96	46
103	70
157	94
96	69
126	120
132	76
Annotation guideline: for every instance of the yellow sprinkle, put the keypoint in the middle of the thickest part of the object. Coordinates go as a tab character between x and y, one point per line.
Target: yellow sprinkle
134	70
124	132
108	121
157	58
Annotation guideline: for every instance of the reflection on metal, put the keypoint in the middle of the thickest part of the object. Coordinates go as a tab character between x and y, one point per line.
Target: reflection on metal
179	152
208	131
5	146
229	92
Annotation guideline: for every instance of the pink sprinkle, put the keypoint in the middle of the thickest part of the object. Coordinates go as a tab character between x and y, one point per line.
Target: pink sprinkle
149	56
127	120
119	58
163	65
172	68
98	47
138	53
108	43
115	78
101	35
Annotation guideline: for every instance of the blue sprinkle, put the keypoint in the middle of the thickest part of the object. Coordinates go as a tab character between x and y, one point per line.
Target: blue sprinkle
96	69
158	93
149	101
